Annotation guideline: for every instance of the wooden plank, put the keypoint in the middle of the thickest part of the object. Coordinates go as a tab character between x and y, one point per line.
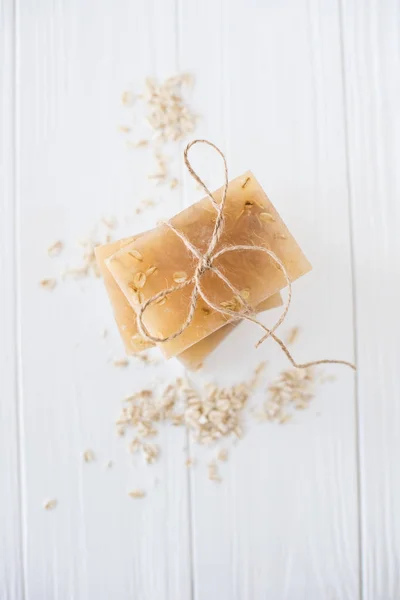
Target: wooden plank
11	553
371	51
284	522
75	59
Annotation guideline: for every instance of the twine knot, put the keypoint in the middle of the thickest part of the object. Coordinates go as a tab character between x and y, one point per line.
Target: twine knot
206	263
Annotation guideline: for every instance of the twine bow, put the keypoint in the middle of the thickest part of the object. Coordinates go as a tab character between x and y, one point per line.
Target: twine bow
206	263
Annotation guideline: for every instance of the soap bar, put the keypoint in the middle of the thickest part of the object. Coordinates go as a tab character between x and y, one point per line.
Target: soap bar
158	259
125	316
194	356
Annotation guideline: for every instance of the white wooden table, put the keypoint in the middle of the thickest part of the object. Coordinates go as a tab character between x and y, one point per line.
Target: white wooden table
306	93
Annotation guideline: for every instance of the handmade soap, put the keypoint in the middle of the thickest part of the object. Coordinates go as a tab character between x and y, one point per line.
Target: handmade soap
158	259
125	316
194	356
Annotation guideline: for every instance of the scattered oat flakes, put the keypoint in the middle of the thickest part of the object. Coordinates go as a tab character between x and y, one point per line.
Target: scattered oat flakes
150	452
167	112
88	456
50	504
292	335
137	493
238	431
169	117
145	204
294	389
127	98
222	454
55	249
120	362
76	273
88	244
109	222
48	284
134	445
257	372
284	419
213	474
141	143
209	416
145	358
162	170
213	413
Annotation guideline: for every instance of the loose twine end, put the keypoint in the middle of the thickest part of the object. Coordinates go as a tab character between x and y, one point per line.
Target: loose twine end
206	263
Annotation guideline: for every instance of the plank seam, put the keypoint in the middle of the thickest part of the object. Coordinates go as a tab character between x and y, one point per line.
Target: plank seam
359	483
16	294
189	480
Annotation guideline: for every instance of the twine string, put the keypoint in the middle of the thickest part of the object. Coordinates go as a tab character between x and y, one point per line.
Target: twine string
205	263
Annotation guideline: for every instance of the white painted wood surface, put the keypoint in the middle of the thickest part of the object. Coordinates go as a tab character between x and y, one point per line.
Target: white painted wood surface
371	50
306	94
11	519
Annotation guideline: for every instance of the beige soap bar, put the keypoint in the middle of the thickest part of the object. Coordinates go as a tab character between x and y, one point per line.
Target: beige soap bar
158	258
194	356
125	316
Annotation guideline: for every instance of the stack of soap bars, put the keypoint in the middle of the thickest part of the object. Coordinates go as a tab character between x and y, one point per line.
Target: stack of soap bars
136	269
